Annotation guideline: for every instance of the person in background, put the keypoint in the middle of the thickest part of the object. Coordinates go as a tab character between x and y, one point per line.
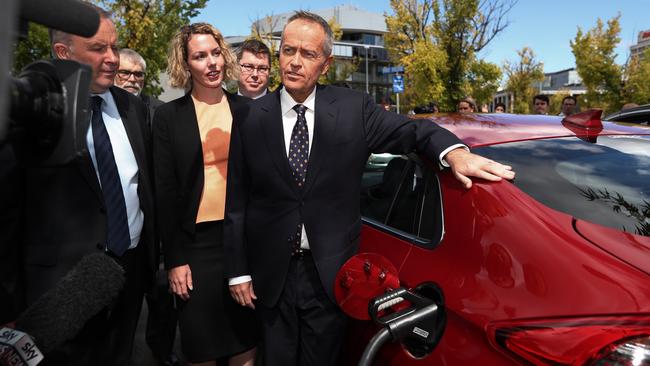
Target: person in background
161	315
499	108
541	104
130	77
467	105
431	107
191	144
485	108
292	212
629	106
568	106
254	60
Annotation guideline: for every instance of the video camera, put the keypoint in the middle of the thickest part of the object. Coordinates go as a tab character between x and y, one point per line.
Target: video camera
49	97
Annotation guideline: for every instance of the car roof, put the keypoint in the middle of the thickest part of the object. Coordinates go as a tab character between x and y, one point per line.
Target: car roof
496	128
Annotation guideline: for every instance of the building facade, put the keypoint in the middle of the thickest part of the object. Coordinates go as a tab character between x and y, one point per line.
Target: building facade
642	43
362	42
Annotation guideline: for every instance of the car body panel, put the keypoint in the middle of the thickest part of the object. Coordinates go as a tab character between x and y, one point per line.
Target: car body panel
633	249
507	257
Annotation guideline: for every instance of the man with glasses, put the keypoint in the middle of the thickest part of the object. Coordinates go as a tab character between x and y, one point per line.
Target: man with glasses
130	77
255	62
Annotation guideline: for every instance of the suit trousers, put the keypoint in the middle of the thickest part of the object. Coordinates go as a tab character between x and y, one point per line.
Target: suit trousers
305	327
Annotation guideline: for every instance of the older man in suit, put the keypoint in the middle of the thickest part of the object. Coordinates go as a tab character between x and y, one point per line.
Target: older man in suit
102	201
292	212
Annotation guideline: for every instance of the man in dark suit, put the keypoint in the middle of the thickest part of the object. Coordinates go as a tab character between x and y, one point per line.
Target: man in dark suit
102	201
294	175
161	315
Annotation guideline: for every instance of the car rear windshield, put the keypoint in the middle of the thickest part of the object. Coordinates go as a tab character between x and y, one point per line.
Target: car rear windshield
606	182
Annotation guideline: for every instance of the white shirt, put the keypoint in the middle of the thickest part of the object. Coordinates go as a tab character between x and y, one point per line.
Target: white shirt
255	97
127	166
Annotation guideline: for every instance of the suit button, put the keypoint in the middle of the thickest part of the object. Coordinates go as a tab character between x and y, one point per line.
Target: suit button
100	246
102	209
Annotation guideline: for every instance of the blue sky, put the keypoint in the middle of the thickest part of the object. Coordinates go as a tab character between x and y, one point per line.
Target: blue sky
546	26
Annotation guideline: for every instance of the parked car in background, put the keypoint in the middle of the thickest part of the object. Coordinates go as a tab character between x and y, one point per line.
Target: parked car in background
552	268
640	114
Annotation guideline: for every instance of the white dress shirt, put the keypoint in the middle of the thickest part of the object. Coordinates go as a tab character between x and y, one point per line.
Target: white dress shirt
127	166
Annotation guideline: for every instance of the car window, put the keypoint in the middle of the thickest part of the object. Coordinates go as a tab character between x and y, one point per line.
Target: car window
402	194
604	182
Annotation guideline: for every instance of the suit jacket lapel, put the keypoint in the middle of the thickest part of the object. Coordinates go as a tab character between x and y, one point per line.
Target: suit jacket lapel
324	133
273	129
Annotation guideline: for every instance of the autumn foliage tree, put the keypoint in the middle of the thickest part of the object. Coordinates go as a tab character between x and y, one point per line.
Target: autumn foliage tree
520	77
445	36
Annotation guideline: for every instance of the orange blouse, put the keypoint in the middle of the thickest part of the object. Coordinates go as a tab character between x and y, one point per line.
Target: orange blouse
215	122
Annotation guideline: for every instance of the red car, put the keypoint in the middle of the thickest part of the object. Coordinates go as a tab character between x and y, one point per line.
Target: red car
549	269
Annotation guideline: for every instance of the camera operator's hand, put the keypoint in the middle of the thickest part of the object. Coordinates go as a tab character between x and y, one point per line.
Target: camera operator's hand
180	281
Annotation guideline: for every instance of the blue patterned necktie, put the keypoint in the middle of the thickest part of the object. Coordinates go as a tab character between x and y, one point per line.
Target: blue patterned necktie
118	238
298	159
299	146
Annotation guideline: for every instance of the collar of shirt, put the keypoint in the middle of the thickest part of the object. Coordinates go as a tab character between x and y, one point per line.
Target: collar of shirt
287	102
289	116
264	92
109	106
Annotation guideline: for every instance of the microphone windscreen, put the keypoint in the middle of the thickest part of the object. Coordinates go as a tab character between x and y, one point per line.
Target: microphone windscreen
58	316
70	16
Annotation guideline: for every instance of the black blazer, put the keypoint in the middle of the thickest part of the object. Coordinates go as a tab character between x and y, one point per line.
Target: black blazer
264	204
64	216
178	166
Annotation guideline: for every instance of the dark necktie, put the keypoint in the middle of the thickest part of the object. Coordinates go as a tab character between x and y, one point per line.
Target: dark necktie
298	158
118	238
299	146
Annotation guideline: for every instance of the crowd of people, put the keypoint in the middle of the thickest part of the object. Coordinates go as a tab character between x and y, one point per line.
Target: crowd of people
236	192
541	105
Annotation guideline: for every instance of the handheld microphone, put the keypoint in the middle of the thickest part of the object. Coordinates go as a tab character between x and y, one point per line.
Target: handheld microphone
56	317
70	16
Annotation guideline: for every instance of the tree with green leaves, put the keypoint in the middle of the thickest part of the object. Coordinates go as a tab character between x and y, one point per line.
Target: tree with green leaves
520	77
594	51
457	29
483	79
637	79
35	46
147	26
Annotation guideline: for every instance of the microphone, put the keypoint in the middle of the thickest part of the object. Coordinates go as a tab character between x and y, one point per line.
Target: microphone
70	16
56	317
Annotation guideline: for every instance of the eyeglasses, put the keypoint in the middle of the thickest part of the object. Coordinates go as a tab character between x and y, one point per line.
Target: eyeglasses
125	74
249	69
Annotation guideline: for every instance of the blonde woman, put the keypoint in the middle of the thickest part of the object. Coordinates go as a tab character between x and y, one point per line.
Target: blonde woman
191	142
